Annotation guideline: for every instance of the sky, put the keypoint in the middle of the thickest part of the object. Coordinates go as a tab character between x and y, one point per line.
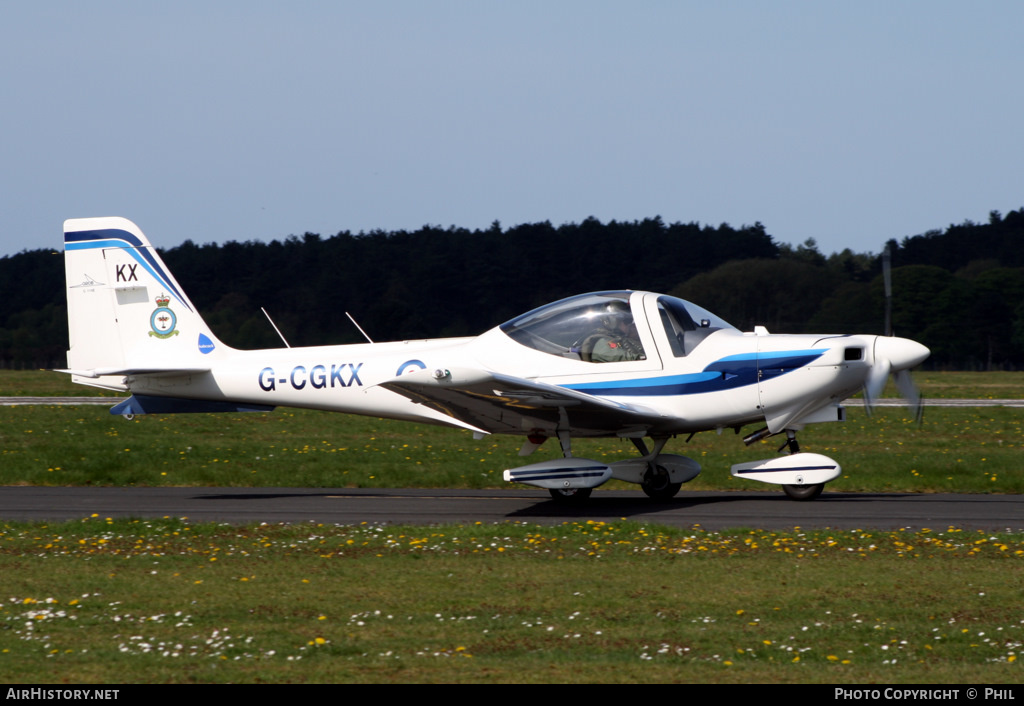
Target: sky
847	122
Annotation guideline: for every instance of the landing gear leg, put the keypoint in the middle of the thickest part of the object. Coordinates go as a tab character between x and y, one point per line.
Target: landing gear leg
791	442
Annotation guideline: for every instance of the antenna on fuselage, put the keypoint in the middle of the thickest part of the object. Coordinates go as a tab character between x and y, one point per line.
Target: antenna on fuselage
358	327
286	344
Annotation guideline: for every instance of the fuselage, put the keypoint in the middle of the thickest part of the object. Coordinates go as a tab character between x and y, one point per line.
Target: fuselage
709	377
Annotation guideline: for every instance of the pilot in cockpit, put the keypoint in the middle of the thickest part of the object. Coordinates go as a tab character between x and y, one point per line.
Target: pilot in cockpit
617	338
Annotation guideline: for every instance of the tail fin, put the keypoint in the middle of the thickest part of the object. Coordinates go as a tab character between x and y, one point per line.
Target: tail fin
126	312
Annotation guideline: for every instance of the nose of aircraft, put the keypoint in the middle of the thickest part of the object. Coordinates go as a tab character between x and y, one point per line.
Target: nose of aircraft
901	353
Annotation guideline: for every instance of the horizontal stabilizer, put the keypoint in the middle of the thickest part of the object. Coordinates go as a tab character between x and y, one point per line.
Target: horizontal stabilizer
561	473
156	372
147	404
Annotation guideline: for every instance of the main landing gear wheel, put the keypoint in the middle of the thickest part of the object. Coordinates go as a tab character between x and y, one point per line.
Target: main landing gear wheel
570	496
657	483
804	492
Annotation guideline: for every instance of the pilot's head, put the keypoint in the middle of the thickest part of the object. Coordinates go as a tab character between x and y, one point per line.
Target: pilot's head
616	314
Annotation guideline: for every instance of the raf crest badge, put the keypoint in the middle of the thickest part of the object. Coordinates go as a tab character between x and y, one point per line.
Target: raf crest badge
163	320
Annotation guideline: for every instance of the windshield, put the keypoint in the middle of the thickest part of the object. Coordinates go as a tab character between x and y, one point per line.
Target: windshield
595	328
687	324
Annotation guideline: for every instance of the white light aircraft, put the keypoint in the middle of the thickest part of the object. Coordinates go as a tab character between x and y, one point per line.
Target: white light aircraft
626	364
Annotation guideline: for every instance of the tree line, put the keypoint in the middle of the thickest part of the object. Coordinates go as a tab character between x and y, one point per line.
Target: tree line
959	291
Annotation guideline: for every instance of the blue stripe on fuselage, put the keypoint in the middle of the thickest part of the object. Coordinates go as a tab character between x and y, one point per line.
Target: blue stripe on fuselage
724	374
122	239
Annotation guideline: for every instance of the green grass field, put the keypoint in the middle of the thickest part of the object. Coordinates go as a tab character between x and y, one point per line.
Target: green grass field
105	601
148	601
955	450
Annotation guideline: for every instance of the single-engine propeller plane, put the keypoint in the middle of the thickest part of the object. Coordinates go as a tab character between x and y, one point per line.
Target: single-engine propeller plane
629	364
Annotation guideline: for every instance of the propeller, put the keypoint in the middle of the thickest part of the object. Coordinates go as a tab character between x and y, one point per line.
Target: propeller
893	355
887	280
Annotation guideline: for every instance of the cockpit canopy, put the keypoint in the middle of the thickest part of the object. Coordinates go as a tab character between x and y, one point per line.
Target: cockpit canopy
580	327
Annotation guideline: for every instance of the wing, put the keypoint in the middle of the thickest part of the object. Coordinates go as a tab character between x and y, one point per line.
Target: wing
503	404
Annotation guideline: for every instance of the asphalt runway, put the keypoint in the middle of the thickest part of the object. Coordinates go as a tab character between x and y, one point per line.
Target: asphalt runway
709	510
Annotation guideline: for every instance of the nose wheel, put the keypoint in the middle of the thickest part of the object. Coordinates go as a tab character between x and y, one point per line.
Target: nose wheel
799	492
803	492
